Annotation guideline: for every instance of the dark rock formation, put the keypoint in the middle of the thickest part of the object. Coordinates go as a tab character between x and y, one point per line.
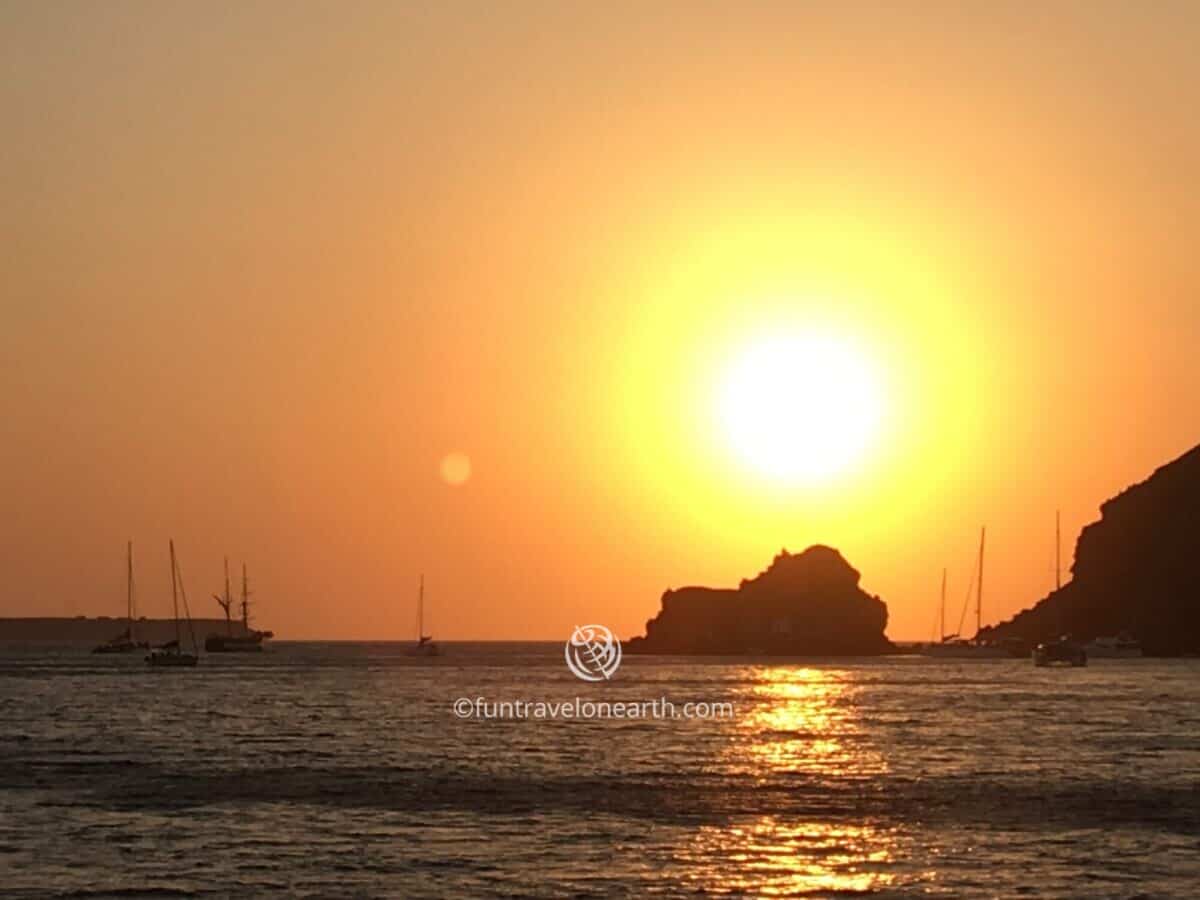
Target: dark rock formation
807	604
1137	570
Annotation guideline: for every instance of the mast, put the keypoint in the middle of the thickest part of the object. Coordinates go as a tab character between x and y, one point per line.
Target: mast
186	611
174	592
225	601
979	586
245	601
1057	549
129	585
421	610
942	632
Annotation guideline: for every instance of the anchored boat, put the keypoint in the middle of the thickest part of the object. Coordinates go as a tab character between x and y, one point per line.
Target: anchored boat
171	654
425	645
251	640
955	647
126	641
1063	652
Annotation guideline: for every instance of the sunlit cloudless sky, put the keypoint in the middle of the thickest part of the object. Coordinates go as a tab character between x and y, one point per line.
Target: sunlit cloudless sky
356	292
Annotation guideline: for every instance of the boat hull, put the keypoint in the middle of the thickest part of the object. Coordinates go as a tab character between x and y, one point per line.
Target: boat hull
1059	655
216	643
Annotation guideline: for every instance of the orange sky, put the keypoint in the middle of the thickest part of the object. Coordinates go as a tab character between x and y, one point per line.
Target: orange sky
264	266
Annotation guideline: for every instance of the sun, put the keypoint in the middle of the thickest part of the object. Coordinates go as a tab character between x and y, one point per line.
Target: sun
800	408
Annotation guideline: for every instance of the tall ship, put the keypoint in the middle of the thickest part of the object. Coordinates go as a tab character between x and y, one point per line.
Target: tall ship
126	641
250	640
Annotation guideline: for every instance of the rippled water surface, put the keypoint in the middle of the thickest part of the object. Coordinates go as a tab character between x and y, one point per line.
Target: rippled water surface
342	769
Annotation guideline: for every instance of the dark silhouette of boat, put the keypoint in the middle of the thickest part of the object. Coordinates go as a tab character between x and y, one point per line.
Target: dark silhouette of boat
171	654
1063	652
425	645
126	641
251	640
955	647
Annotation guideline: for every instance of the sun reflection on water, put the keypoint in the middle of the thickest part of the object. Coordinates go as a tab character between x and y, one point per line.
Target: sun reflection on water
770	858
803	720
800	728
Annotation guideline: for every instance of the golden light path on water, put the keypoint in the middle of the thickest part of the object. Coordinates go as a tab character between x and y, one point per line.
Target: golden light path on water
806	720
775	858
801	722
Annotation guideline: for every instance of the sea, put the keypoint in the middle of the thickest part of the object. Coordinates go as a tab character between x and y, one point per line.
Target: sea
357	770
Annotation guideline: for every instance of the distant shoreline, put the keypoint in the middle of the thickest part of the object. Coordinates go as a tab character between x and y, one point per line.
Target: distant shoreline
92	630
87	631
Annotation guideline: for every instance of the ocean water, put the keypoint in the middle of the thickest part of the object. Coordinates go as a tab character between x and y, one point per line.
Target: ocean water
329	770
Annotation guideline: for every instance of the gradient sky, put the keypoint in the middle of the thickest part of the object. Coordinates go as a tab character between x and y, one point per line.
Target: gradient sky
265	264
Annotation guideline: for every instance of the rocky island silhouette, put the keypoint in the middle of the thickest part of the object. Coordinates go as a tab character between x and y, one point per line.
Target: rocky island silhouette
1136	570
804	604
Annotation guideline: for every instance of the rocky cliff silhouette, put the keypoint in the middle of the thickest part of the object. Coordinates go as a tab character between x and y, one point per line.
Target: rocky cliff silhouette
806	604
1137	570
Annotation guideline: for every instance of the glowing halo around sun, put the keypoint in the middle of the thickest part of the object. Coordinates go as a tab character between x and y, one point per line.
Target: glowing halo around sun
799	408
455	468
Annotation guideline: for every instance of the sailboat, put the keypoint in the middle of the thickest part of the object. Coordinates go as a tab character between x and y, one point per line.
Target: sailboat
1064	651
425	645
940	636
170	654
955	647
126	641
251	640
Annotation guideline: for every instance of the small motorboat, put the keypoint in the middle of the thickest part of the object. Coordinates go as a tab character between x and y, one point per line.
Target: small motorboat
1063	652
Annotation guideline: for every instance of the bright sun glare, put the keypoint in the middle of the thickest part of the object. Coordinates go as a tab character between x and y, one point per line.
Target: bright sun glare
799	408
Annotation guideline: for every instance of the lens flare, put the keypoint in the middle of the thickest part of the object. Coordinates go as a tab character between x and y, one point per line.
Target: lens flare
456	469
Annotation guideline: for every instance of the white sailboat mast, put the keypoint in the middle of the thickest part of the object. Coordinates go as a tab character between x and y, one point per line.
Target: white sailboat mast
245	600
